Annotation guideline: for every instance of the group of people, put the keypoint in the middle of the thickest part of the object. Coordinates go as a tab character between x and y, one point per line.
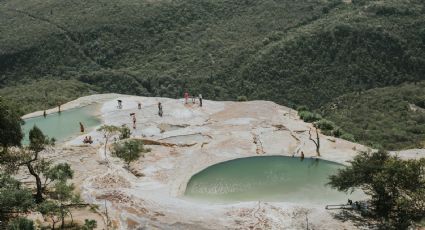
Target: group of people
186	98
88	140
139	106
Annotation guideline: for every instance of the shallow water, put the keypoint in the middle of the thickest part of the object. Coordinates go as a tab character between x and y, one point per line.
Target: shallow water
65	125
268	178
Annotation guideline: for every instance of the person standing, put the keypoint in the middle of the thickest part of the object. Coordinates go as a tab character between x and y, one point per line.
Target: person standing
160	109
81	127
134	121
139	105
186	97
200	100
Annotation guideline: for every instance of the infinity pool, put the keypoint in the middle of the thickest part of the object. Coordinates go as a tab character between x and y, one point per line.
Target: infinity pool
268	178
65	125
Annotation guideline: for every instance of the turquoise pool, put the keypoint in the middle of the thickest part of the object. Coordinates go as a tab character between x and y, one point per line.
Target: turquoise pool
65	125
268	178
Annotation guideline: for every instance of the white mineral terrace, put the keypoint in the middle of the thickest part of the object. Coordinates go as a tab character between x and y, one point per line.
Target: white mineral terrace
192	139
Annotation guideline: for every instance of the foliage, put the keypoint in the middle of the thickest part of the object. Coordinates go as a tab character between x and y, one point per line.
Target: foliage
295	52
382	117
10	126
89	224
13	198
326	125
109	131
59	172
21	223
44	94
302	108
52	210
129	150
309	116
396	187
242	98
125	132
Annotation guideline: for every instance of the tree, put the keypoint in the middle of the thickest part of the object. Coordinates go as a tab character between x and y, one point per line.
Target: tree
108	132
396	187
50	209
10	127
129	150
21	223
30	158
316	142
111	130
13	198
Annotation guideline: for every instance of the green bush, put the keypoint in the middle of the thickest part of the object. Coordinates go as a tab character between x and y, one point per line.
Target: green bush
125	132
324	124
21	223
129	150
348	137
89	224
309	116
302	108
242	98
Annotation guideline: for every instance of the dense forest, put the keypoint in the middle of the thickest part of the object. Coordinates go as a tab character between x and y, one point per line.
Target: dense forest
354	62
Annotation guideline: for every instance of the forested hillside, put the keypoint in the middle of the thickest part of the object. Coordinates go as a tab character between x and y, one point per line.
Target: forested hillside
293	52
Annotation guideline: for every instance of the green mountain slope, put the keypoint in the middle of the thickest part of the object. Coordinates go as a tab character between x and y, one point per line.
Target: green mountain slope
294	52
390	117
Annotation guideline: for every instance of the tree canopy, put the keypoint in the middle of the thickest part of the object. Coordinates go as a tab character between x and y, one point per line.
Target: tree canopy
396	187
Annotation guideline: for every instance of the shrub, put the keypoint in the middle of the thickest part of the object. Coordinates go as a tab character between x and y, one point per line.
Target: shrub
348	137
324	124
89	224
129	150
302	108
21	223
337	132
309	116
125	132
242	98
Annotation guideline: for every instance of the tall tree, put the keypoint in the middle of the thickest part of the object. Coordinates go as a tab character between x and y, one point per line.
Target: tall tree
10	126
396	187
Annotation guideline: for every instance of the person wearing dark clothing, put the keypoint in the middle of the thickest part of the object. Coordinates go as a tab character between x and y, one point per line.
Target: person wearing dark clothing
139	105
81	127
200	100
160	109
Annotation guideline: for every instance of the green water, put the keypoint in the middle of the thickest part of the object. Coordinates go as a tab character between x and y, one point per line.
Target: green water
65	125
268	178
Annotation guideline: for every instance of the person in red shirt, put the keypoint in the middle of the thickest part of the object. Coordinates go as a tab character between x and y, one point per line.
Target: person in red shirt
186	97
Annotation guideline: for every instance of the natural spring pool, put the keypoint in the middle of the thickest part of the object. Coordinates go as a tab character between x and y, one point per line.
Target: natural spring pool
268	178
65	125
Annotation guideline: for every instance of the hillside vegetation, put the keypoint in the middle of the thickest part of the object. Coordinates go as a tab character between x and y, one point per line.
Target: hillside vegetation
390	117
293	52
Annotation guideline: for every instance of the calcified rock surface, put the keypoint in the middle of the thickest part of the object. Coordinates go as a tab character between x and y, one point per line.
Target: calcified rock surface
186	140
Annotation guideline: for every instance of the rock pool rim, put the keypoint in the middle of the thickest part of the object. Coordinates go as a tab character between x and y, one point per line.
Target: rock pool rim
55	110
